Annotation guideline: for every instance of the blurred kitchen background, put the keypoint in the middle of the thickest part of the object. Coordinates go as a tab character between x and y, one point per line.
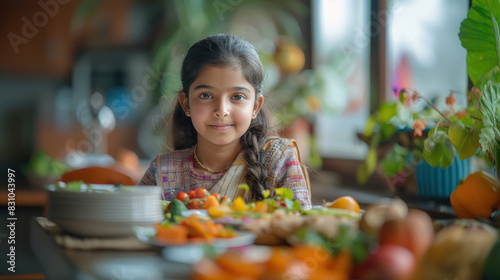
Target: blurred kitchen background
90	82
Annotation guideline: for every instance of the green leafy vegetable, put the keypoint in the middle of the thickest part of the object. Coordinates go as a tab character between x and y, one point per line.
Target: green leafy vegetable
176	209
347	239
284	193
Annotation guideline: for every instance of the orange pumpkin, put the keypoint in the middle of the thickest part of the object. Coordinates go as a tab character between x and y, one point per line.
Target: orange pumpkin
476	196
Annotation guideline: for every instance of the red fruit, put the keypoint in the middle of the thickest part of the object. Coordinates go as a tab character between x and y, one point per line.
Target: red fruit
216	195
225	198
211	201
194	204
201	193
192	194
389	262
182	196
415	232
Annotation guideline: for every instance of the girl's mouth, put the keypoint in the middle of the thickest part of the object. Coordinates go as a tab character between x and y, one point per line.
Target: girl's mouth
221	127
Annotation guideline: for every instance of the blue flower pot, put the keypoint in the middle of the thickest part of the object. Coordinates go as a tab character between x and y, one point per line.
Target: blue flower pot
438	182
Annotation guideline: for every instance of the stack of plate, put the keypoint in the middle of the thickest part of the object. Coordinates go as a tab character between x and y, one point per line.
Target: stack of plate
105	211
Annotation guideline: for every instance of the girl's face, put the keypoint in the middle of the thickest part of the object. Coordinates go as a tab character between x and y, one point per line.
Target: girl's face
221	104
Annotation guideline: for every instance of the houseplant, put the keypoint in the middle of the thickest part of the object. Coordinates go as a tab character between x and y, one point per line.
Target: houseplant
480	36
450	130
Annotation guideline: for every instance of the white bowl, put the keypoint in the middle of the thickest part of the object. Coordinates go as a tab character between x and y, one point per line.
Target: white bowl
105	213
92	228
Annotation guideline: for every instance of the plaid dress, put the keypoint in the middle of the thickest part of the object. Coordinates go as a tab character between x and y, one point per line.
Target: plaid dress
177	174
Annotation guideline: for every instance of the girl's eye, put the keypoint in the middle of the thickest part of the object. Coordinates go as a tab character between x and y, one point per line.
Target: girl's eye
239	97
205	95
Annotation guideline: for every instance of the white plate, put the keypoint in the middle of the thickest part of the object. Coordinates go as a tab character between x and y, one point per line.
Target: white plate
189	255
189	212
148	235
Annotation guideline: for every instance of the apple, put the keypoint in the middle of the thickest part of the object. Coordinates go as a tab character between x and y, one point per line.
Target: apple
414	232
389	262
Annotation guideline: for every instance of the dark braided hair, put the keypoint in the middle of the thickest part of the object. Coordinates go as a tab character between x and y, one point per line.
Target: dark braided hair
227	50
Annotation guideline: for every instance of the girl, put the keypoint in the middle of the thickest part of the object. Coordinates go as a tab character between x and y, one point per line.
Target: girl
220	129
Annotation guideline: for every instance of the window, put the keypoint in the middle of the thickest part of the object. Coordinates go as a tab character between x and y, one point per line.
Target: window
341	47
365	51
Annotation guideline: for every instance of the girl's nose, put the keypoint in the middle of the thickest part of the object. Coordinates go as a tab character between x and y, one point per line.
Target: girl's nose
222	110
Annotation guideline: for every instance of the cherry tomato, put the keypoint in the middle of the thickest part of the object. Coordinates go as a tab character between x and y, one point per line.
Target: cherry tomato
225	198
217	196
202	193
194	204
182	196
192	194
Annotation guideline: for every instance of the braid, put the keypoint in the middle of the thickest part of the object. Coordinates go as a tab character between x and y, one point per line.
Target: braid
253	141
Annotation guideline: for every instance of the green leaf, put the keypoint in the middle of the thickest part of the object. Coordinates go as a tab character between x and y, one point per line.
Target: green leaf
497	156
309	236
388	129
266	193
284	193
362	174
244	187
289	203
296	205
366	169
395	161
438	150
466	141
386	112
480	36
75	186
371	160
490	99
369	129
402	97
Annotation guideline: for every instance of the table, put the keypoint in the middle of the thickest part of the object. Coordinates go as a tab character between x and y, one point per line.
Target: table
61	263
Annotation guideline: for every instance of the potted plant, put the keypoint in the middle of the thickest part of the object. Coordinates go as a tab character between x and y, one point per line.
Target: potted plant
440	133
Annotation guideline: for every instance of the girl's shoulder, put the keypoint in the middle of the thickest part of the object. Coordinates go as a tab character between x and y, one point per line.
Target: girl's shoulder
278	144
